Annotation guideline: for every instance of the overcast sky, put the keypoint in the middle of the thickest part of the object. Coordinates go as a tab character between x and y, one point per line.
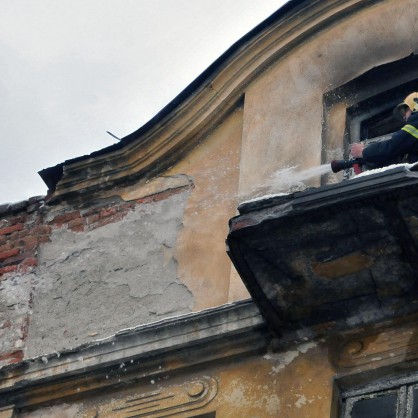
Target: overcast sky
73	69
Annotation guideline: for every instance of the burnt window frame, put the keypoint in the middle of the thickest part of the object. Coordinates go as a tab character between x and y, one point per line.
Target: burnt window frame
382	123
362	117
363	99
403	385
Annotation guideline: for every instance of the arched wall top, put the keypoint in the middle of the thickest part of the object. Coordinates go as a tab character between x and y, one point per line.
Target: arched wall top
203	105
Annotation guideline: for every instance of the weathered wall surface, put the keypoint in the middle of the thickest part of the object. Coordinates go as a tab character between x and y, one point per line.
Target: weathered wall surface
203	263
284	106
90	285
77	272
74	275
21	233
280	125
303	380
292	384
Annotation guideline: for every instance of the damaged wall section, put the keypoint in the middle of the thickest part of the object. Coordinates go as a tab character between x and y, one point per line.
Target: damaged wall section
97	270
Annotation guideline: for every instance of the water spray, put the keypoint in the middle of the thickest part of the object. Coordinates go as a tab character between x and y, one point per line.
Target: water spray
289	177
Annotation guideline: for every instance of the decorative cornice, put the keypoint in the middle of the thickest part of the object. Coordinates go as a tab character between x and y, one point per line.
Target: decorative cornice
135	354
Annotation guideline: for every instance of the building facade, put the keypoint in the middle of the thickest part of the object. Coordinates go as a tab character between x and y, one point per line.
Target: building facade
117	295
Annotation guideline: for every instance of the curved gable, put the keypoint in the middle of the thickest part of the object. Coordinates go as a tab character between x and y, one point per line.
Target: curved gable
192	115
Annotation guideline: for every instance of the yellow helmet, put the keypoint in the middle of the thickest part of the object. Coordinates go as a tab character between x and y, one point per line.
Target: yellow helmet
410	101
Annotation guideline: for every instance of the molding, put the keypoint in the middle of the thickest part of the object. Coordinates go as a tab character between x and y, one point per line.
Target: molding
189	396
134	354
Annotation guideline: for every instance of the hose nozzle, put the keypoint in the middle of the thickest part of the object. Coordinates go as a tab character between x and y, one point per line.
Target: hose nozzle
338	165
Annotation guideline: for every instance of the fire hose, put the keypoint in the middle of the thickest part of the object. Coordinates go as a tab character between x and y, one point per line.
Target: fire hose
355	164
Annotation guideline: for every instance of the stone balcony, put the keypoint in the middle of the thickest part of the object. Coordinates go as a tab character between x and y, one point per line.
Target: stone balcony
331	258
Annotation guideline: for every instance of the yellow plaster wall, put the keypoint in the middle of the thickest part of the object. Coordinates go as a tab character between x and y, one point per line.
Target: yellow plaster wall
283	107
213	165
280	126
293	384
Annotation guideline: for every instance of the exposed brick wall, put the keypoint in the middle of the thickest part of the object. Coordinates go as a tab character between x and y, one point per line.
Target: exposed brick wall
23	228
25	225
21	232
85	220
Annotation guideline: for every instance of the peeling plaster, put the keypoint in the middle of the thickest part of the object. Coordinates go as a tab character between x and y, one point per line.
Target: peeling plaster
284	359
120	275
242	395
15	293
15	306
303	400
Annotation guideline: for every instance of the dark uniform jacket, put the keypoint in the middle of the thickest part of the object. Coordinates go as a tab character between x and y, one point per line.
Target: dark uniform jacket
402	143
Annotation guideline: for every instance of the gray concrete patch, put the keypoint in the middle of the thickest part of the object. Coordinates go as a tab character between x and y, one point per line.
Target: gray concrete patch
93	284
15	295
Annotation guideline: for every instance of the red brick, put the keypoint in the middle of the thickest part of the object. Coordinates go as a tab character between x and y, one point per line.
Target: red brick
79	228
6	247
29	243
44	238
7	269
13	357
149	199
9	229
76	222
3	239
108	220
17	219
15	236
108	212
92	218
8	254
30	262
40	230
66	217
20	257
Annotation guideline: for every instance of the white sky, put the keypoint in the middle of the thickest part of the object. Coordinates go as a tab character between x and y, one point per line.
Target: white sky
70	70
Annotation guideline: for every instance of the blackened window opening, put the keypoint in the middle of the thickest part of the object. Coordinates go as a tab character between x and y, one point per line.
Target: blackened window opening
373	117
380	124
387	398
369	100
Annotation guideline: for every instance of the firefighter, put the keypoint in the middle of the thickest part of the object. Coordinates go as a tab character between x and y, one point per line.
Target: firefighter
403	143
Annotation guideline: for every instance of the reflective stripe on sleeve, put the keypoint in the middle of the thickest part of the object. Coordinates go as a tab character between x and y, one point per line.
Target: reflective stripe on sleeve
411	130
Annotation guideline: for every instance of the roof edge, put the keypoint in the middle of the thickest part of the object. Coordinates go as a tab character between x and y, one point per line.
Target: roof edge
52	175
